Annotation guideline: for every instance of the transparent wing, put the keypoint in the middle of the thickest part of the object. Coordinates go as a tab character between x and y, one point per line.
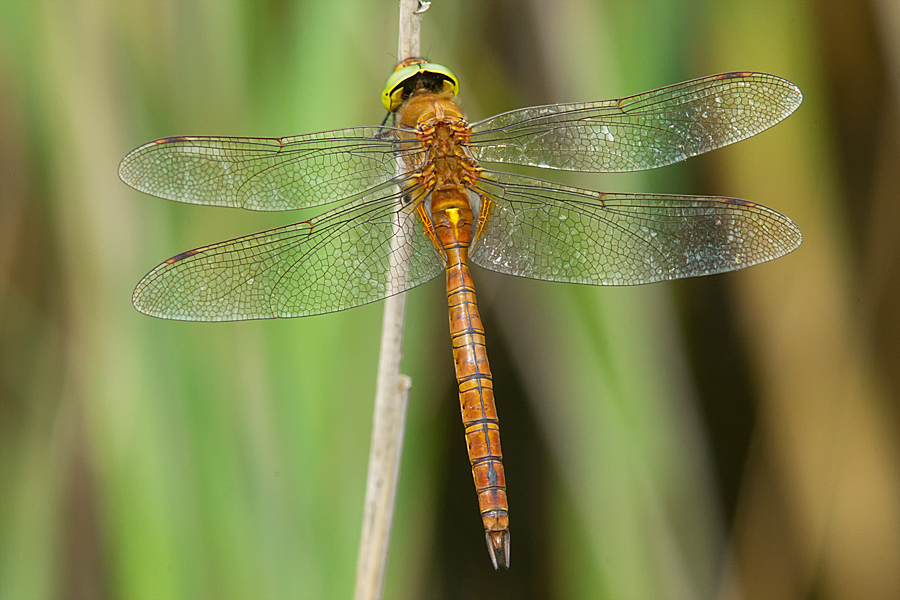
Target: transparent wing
337	260
541	230
645	131
268	173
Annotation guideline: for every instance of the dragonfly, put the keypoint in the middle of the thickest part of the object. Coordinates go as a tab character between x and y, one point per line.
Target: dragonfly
413	200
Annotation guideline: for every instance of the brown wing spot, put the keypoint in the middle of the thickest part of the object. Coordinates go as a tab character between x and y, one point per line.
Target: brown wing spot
735	75
738	202
166	140
182	256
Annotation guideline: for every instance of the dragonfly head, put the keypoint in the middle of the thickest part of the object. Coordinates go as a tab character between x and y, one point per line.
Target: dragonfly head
414	74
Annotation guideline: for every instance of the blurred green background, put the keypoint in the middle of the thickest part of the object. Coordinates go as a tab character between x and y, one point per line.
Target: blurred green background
724	437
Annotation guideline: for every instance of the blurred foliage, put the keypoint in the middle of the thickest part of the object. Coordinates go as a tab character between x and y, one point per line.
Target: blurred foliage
719	437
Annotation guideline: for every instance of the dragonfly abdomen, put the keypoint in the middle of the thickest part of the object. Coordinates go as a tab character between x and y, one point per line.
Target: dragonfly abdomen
452	219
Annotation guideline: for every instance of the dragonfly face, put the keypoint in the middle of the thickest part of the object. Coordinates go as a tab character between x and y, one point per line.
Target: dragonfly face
427	173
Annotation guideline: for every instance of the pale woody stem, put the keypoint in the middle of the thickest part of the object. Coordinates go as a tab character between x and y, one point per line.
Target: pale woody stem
392	389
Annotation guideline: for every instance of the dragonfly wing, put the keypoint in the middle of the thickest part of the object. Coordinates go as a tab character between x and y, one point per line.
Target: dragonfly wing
337	260
649	130
267	174
541	230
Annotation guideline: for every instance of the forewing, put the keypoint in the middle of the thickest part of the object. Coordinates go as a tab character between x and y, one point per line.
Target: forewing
267	174
541	230
337	260
649	130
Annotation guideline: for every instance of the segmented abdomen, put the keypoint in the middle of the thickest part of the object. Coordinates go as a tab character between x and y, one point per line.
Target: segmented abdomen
452	219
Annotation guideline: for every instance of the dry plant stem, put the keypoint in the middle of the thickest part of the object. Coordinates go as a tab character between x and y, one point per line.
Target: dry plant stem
392	389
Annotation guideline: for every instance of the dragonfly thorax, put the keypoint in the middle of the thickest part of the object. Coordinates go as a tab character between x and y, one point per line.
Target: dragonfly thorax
445	163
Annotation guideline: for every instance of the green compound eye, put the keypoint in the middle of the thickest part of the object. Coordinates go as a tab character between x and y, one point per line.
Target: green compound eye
401	82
